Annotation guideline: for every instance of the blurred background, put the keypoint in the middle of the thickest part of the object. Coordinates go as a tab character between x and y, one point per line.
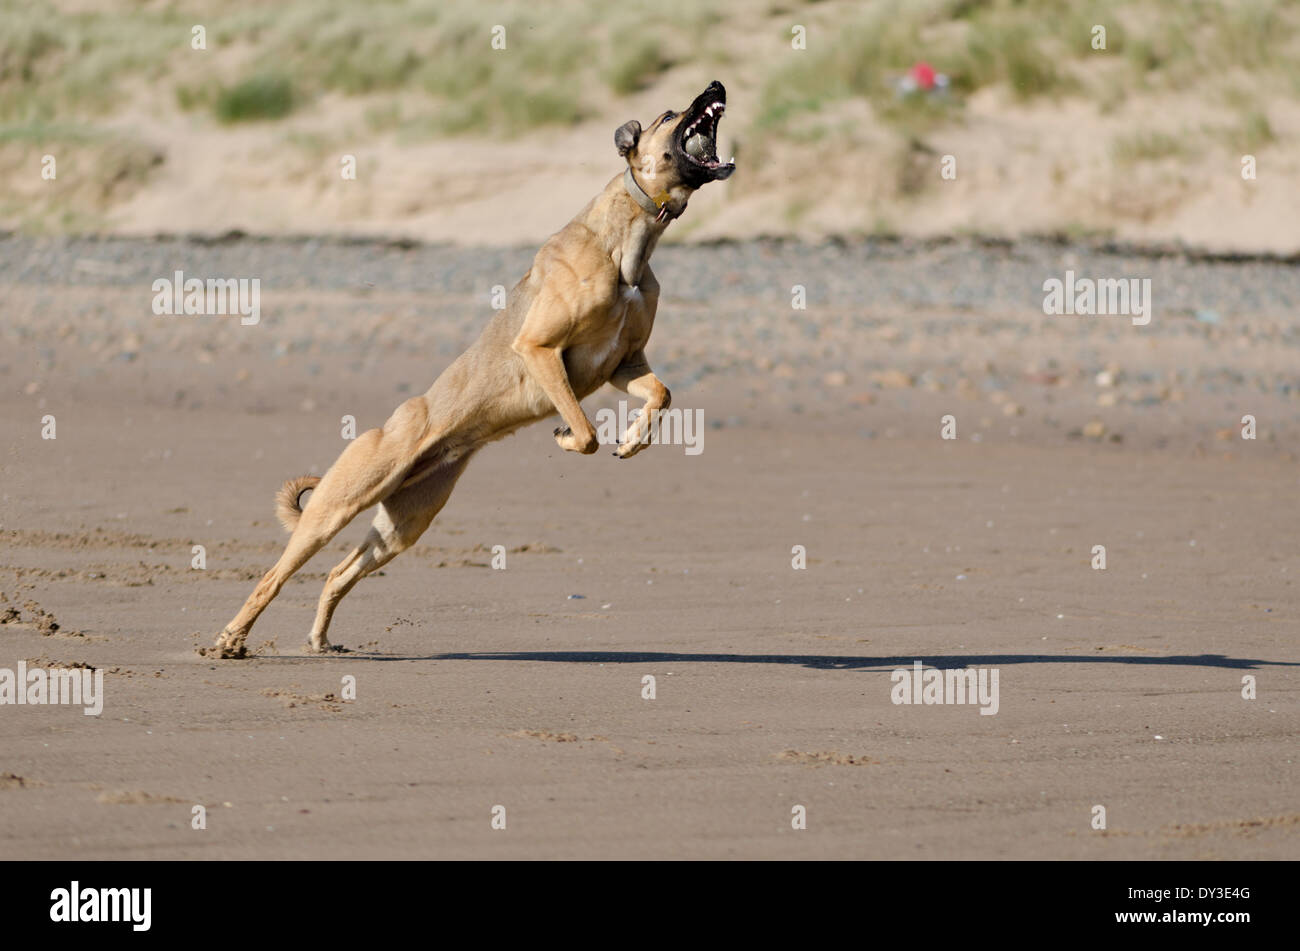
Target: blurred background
840	113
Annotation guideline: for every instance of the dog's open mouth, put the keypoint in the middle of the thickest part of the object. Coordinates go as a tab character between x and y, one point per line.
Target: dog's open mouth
698	136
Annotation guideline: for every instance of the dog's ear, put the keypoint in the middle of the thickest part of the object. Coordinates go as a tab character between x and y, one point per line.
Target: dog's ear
626	137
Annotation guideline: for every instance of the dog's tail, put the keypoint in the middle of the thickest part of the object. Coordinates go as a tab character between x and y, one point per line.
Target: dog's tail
288	508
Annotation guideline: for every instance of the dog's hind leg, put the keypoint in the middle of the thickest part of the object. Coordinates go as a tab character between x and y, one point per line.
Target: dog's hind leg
402	518
370	469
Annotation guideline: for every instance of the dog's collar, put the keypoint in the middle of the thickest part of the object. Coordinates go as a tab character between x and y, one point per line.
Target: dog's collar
657	206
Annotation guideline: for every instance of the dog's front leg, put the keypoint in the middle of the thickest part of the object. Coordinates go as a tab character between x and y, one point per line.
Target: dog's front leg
635	378
546	365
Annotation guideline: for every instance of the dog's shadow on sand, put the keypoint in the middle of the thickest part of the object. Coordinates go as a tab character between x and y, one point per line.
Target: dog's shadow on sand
840	662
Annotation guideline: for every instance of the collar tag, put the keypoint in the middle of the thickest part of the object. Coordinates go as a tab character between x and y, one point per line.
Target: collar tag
657	206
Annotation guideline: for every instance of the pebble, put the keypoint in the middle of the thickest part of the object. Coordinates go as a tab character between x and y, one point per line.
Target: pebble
892	380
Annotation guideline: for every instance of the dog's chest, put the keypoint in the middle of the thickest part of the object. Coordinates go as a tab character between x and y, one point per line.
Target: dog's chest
621	314
618	327
605	349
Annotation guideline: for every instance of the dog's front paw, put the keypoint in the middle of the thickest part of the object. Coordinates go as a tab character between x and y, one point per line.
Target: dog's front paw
639	434
630	448
567	441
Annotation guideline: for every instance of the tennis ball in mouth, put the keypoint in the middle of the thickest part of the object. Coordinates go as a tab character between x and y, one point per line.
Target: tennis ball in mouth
695	145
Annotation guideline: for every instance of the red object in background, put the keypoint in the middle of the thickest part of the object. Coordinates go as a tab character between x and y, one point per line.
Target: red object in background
923	74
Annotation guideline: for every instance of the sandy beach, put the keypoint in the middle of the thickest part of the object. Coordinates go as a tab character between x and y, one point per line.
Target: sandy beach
477	687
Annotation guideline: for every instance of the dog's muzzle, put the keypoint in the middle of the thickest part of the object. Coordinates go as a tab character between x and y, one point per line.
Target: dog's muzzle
696	142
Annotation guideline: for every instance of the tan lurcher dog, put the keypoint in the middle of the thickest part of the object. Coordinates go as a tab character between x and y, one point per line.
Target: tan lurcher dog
579	318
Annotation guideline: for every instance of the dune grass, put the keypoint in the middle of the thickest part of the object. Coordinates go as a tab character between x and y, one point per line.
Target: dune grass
55	65
262	96
1148	146
1034	49
561	62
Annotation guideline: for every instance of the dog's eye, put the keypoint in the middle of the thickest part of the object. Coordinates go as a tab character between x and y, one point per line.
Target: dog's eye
667	115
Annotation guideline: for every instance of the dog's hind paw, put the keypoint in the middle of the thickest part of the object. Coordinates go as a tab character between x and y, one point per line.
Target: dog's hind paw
222	652
226	647
326	648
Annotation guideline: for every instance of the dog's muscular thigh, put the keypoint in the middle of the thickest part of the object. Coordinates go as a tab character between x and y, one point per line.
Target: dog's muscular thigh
373	465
